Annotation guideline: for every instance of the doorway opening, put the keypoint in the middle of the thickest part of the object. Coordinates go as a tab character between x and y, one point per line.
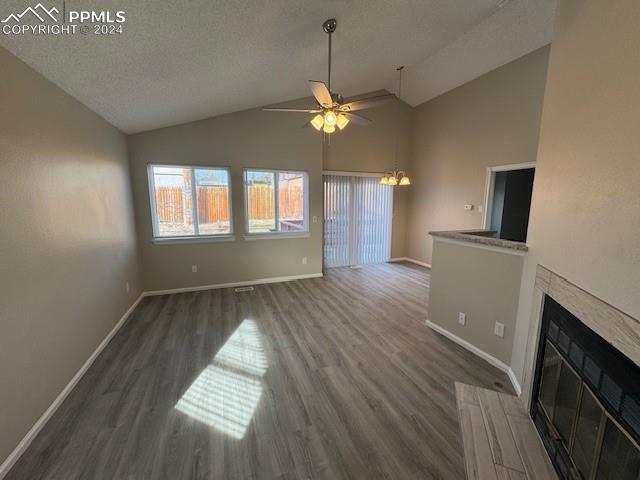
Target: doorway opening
358	213
508	200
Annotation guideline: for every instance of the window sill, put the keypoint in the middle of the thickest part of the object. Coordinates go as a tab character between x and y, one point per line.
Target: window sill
198	239
274	236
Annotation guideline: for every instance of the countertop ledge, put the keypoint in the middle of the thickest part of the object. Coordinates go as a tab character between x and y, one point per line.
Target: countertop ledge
481	237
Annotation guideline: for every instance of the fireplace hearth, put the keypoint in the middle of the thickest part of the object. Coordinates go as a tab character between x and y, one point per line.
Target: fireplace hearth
585	400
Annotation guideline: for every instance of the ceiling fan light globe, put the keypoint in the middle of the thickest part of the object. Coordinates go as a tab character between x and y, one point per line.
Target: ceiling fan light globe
328	128
342	121
405	181
317	122
330	118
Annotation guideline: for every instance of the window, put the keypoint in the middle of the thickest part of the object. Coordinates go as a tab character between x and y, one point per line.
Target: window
179	210
276	202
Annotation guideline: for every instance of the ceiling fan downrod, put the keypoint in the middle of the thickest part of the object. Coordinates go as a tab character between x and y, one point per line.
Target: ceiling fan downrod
329	26
330	110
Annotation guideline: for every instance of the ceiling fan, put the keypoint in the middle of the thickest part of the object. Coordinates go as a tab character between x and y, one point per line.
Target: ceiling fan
331	110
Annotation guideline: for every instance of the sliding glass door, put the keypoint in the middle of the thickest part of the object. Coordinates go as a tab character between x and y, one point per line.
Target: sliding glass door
357	220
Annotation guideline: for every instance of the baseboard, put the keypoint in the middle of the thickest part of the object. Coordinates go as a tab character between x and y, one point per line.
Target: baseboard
410	260
499	364
259	281
514	381
44	418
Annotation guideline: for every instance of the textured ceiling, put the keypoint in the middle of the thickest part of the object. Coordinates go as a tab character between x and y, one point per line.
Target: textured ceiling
189	59
511	32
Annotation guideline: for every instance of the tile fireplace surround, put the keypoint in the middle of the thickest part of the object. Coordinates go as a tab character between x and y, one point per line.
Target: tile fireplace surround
618	328
573	431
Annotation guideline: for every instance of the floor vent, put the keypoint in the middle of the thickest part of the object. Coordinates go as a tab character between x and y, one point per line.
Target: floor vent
244	289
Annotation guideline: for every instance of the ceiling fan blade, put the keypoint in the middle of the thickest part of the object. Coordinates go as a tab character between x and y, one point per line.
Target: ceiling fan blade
297	110
357	119
321	92
364	103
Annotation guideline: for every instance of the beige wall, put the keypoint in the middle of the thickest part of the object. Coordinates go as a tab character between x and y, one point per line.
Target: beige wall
585	215
251	138
493	120
67	242
372	149
482	283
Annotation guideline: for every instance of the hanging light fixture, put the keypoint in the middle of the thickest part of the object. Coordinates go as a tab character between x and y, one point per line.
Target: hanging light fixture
331	110
396	177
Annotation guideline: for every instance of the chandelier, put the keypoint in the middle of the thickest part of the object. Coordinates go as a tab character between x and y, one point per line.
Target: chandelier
396	177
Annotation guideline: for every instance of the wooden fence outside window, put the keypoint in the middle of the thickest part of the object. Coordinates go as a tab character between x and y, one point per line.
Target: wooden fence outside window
173	204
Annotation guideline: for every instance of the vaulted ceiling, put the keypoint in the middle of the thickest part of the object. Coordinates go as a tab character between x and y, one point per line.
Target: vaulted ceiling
185	60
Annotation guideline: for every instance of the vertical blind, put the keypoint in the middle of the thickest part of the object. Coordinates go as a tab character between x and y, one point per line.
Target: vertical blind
357	220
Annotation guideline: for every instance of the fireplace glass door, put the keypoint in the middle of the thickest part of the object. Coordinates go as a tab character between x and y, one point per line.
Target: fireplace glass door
585	404
588	428
620	459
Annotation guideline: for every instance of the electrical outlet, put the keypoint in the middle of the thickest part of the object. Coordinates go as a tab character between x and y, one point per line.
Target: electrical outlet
315	219
304	260
127	287
194	268
499	329
468	207
480	207
462	318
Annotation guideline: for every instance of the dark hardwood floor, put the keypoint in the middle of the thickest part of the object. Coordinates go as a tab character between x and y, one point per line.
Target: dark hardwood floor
335	377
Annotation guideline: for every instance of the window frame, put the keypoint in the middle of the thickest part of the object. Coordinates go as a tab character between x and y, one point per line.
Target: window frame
278	234
196	237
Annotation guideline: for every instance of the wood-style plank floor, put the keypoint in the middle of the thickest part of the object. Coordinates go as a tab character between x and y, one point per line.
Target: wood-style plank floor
331	378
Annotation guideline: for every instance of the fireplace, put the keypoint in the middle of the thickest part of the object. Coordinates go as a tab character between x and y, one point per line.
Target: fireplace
585	400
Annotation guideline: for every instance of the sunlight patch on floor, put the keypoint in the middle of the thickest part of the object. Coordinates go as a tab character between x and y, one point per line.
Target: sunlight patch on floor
243	351
226	393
